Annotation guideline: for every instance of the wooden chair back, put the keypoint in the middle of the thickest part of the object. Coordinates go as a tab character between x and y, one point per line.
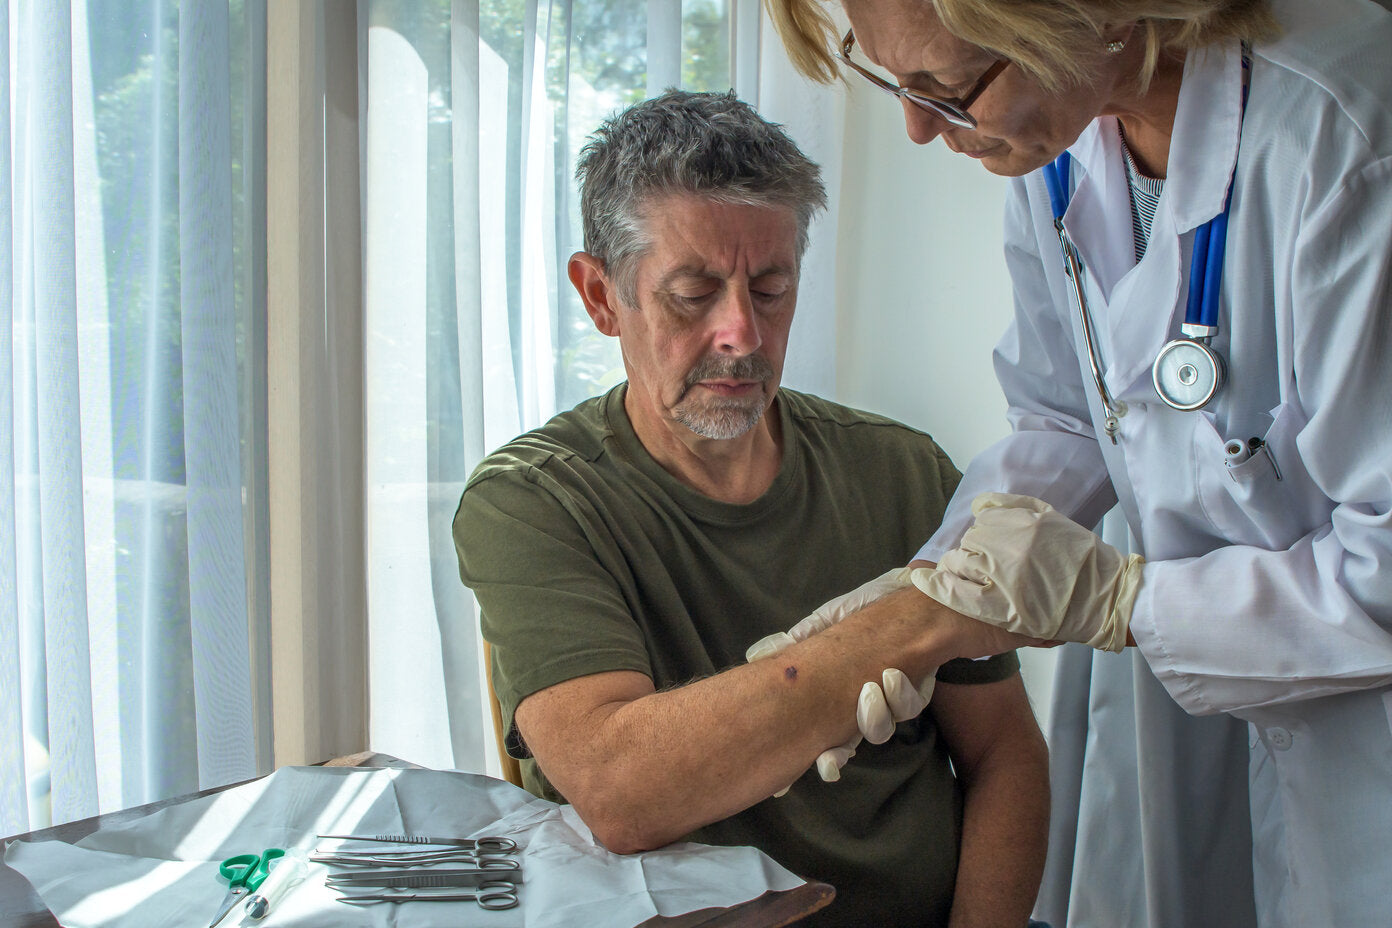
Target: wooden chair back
512	770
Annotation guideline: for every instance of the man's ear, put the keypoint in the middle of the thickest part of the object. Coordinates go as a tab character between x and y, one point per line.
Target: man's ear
586	273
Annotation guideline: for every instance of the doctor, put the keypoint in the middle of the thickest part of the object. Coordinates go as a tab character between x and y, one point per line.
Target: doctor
1199	234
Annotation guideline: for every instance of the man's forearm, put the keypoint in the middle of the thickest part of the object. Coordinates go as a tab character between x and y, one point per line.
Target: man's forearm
645	768
657	767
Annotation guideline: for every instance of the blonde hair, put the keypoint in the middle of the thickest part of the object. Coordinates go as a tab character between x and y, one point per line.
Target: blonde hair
1043	37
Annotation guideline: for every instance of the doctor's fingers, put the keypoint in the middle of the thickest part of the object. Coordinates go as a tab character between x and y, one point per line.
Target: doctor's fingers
995	528
830	613
983	617
885	704
979	600
768	646
873	718
905	700
818	621
805	628
966	564
837	609
830	761
987	501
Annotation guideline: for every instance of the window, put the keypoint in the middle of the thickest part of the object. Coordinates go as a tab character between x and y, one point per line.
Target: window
131	237
473	333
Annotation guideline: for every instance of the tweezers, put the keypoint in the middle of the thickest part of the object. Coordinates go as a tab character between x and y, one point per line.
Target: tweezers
407	859
488	844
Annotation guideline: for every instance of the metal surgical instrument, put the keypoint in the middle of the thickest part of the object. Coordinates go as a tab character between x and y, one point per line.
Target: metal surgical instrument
498	895
485	845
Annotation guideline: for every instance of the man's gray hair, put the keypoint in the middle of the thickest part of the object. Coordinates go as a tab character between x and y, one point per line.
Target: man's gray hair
711	145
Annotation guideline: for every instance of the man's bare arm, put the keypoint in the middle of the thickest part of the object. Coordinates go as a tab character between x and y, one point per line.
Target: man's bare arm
644	768
1000	757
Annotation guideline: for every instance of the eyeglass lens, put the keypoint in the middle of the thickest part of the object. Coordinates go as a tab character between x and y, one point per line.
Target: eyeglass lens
953	111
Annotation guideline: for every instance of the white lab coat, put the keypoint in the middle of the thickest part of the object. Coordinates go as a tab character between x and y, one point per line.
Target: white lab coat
1266	600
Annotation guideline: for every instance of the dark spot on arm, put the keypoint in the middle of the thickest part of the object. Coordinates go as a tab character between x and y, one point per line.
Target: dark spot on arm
790	672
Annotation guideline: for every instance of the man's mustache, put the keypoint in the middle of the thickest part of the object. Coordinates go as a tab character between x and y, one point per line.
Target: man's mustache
749	367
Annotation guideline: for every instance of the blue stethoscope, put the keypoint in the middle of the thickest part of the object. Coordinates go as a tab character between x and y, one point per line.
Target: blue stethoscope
1187	372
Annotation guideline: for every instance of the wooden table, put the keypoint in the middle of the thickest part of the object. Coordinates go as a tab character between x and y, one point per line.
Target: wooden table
20	906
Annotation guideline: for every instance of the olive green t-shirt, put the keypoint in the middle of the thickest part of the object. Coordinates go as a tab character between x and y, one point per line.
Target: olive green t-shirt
586	556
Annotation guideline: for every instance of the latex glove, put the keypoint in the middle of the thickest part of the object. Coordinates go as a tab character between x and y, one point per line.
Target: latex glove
881	705
830	761
830	612
1025	567
893	700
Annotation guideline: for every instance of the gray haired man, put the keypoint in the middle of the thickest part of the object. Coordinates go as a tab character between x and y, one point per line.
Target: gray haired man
627	553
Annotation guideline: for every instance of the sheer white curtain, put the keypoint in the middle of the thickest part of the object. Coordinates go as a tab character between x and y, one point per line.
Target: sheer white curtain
472	118
130	453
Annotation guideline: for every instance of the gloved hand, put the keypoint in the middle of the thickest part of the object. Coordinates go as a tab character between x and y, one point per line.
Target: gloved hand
881	705
830	612
1027	568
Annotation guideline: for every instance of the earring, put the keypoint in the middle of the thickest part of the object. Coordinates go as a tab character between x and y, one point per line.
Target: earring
1115	47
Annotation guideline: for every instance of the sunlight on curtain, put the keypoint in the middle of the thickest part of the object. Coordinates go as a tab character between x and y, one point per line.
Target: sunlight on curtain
475	113
131	303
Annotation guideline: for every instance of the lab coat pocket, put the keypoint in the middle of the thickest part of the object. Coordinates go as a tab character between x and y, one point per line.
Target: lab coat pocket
1263	499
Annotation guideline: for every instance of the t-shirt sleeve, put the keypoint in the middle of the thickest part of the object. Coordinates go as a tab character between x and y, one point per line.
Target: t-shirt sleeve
990	670
548	605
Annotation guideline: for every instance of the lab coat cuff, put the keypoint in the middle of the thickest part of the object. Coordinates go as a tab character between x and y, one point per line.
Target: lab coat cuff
949	533
1147	627
933	550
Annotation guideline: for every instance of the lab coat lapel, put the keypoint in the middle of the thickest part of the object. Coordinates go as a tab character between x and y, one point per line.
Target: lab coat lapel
1106	247
1203	143
1146	310
1141	307
1126	300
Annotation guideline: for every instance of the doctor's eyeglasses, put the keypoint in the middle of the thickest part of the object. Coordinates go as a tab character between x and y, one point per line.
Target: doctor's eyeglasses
953	111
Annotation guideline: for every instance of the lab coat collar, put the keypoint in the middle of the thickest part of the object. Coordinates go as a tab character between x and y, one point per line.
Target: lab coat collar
1204	141
1203	151
1100	194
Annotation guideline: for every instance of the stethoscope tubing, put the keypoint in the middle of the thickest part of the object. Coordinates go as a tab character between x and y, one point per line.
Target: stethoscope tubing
1112	409
1203	299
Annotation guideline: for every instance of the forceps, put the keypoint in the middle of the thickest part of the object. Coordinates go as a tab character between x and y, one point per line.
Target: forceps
495	895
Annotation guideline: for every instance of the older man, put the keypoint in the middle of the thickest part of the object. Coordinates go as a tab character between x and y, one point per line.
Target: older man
627	553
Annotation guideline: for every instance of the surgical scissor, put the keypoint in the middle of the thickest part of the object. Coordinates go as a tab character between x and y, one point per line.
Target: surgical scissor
497	868
244	873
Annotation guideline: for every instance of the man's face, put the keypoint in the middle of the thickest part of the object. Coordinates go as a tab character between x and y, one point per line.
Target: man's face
704	346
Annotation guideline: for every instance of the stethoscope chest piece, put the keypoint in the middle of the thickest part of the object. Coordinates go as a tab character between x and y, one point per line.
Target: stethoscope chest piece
1187	374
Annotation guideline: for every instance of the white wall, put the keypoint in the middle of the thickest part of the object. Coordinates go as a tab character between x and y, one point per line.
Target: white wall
922	293
922	288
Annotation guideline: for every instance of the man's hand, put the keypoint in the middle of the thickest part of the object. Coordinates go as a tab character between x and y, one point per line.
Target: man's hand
881	705
1029	569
